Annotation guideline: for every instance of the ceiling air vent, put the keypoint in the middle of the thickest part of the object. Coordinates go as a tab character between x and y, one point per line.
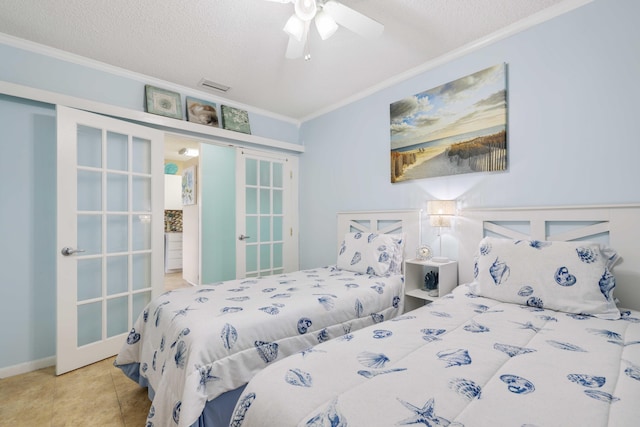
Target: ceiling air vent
208	84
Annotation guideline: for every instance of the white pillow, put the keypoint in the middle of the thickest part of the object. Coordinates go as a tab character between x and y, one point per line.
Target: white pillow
572	277
398	254
371	253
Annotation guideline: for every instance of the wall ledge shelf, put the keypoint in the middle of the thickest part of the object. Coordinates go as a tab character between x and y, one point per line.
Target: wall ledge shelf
166	123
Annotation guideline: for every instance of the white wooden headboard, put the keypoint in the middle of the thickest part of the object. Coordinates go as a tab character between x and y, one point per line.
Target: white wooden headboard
383	222
617	226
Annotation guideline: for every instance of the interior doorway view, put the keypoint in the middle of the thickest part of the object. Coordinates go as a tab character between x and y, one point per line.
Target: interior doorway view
242	217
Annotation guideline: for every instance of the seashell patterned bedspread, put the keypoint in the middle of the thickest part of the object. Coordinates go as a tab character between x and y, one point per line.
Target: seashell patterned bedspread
461	361
194	344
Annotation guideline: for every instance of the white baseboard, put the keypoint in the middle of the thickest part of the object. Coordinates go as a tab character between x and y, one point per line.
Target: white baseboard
23	368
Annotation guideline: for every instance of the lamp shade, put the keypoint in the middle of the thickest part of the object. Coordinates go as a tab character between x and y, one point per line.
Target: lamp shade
440	212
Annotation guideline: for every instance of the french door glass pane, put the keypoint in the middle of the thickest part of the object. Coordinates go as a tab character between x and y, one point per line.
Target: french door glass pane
140	301
89	147
252	229
89	323
90	234
265	229
277	255
277	228
265	201
117	274
251	174
141	155
89	278
89	191
117	233
117	192
265	173
277	175
117	319
265	257
252	258
277	202
251	198
141	234
117	151
141	193
141	271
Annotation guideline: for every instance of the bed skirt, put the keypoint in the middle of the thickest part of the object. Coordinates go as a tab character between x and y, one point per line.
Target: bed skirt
216	413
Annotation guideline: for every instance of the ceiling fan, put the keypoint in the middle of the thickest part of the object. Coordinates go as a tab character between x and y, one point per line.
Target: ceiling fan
326	14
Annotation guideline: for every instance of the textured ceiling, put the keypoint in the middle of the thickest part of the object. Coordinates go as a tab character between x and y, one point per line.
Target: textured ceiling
240	43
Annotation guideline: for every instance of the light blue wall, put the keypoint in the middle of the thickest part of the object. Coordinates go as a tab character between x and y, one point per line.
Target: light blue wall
573	129
218	233
27	227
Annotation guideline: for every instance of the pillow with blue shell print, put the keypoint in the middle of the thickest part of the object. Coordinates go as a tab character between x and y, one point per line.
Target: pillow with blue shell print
572	277
371	253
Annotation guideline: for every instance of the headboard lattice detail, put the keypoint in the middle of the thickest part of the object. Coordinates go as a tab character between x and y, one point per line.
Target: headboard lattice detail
383	222
617	225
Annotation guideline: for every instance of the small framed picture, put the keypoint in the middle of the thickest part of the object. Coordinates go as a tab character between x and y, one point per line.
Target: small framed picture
203	112
163	102
189	186
235	119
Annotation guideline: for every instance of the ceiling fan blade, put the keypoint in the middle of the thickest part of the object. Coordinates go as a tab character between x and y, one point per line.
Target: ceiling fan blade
352	20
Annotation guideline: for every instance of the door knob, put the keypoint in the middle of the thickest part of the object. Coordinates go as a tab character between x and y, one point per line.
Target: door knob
243	237
66	251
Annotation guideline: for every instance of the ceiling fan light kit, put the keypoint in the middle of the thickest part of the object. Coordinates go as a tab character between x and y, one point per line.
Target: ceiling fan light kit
294	27
327	15
325	25
305	9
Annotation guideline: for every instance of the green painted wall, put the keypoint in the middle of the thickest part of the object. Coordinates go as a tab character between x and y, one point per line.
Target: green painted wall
218	212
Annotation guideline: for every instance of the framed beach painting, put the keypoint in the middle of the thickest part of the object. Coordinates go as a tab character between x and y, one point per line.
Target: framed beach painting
458	127
189	186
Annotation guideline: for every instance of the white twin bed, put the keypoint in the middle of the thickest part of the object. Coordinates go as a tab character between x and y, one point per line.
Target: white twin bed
539	336
543	331
196	348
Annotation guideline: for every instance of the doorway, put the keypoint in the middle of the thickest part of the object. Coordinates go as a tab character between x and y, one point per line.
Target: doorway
180	153
211	250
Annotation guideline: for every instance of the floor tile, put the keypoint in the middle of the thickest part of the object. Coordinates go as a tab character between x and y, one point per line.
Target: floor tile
95	395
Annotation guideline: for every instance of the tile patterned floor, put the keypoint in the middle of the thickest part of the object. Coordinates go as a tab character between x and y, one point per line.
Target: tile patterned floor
96	395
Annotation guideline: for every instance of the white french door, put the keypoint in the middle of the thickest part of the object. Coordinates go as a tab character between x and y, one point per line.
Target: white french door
110	223
266	213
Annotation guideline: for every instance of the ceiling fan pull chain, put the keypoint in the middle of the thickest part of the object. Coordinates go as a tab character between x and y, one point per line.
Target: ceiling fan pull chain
307	51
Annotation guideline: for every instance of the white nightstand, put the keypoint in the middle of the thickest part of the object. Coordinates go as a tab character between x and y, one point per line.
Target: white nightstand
414	272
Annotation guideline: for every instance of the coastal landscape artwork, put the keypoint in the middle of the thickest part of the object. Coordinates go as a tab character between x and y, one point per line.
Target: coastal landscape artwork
458	127
189	186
